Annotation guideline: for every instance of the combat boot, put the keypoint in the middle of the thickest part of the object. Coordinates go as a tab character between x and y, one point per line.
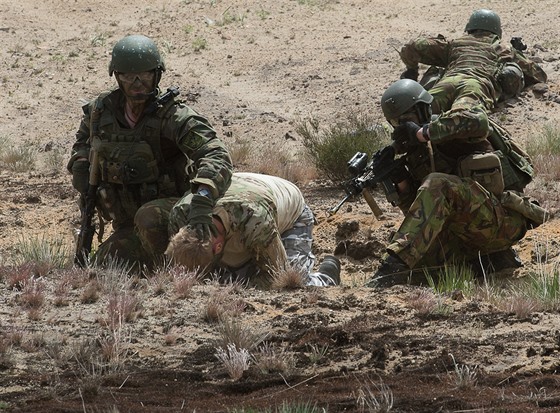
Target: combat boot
392	271
497	261
331	268
502	260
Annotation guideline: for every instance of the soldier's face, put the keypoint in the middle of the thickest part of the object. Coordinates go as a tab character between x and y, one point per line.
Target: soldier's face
406	117
218	241
137	86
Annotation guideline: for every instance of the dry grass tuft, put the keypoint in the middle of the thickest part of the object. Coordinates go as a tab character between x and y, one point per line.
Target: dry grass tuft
223	302
123	307
17	276
7	360
235	360
183	282
374	397
465	377
33	294
278	162
91	292
159	280
288	279
517	303
424	301
170	337
270	359
233	332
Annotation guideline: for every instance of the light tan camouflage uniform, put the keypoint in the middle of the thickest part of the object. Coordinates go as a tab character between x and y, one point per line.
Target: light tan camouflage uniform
267	225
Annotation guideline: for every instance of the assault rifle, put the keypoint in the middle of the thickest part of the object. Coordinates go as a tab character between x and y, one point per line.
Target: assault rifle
162	100
87	228
367	176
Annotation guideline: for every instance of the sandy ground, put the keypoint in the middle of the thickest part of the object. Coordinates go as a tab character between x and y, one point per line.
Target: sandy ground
264	67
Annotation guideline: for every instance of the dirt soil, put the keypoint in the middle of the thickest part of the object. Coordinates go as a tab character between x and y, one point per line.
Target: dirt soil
264	66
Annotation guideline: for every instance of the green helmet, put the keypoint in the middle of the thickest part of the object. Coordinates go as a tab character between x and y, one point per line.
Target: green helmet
134	54
484	19
402	96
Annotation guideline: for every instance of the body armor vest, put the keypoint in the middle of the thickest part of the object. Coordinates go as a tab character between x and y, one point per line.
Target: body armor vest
132	166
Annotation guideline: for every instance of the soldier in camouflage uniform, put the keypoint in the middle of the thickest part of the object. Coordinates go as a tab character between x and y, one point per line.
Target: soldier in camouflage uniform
450	215
146	150
264	226
478	70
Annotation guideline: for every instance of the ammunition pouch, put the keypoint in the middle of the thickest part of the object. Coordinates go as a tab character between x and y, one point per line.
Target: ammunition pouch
484	168
126	162
530	209
517	168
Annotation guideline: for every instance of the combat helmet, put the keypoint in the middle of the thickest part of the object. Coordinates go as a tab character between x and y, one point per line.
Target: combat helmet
484	19
136	53
403	96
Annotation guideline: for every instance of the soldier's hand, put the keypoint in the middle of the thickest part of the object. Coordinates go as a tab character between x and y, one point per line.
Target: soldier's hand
405	136
410	73
200	217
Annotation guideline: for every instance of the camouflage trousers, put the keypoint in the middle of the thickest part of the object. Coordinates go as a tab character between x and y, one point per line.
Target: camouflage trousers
462	103
461	91
141	243
298	242
454	219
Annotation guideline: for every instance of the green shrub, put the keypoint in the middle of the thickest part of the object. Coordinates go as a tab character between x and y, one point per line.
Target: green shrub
16	158
52	253
545	143
330	149
544	149
545	287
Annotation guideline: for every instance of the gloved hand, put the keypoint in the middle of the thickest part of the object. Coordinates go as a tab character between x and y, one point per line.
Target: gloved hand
405	136
200	217
399	175
80	175
410	73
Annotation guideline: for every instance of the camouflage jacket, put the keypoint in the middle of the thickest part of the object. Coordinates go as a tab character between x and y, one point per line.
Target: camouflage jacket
177	144
255	211
476	55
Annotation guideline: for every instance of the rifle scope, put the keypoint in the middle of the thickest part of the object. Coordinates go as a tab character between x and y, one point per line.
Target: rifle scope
358	163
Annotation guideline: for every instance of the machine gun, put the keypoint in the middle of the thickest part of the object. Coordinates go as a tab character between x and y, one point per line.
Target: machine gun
367	176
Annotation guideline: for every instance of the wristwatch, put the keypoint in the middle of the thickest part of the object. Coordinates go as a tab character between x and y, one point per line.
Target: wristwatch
425	131
204	192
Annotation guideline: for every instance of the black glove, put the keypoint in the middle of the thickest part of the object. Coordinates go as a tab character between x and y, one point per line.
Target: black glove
410	73
405	136
200	217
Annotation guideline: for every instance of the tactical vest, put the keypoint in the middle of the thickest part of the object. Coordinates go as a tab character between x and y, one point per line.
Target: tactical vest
476	56
131	165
